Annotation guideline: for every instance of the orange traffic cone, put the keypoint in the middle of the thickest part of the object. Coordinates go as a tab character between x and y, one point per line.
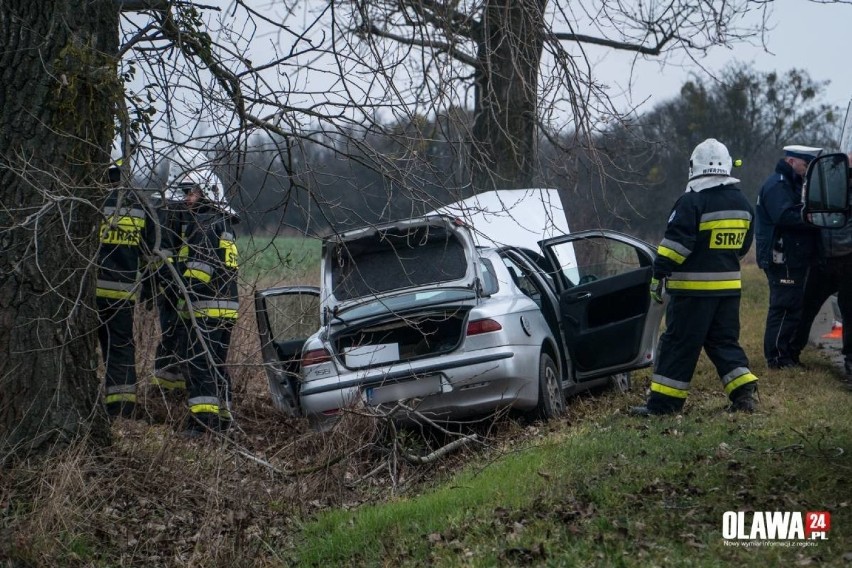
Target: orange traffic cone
836	331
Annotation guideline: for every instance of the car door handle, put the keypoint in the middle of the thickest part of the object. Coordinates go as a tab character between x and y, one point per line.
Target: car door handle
579	297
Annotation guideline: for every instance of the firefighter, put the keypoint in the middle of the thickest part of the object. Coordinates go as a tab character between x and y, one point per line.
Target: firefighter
787	248
698	264
210	274
125	242
169	364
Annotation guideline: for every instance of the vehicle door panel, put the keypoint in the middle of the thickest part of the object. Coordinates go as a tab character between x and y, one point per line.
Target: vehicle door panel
608	319
286	317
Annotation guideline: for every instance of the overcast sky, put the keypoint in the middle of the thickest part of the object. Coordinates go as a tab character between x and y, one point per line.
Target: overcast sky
815	37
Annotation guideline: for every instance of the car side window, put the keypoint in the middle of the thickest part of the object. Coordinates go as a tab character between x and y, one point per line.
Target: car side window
598	258
488	277
522	280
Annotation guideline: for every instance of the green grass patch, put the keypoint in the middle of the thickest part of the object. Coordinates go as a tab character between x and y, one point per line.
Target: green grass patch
270	261
608	489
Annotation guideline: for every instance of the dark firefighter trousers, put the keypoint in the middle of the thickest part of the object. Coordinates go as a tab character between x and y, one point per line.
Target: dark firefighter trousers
170	360
711	322
786	295
209	339
115	334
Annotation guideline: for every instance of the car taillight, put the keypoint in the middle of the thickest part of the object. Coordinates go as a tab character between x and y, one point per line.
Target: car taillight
482	326
315	357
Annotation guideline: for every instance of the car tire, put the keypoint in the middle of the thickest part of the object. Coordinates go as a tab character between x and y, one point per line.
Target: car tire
551	397
620	382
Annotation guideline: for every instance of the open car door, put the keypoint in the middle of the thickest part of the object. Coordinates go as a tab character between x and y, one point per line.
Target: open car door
286	317
610	323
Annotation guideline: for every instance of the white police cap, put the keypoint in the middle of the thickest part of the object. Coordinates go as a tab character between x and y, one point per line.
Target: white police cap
806	153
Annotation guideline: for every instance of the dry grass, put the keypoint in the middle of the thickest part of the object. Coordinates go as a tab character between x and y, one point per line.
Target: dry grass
154	499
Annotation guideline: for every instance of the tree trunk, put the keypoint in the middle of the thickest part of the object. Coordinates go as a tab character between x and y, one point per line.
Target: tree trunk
58	90
504	149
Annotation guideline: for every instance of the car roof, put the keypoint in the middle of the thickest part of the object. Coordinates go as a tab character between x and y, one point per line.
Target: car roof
517	217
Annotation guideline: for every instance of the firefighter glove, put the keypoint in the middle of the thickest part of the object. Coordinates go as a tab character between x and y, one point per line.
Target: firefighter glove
657	285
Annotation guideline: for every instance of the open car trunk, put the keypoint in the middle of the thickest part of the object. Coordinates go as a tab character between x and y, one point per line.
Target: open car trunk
401	337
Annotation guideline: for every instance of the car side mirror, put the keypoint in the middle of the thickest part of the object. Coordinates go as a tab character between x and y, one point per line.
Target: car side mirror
826	191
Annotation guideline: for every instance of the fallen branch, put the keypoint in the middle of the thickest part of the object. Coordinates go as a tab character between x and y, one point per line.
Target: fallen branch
443	450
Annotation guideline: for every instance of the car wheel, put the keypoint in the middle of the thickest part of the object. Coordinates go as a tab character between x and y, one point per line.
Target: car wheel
620	382
551	398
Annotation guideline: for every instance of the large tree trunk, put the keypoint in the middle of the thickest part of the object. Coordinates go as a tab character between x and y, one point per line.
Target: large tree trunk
504	149
58	88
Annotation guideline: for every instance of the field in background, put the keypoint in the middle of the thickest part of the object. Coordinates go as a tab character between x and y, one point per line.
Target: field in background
276	261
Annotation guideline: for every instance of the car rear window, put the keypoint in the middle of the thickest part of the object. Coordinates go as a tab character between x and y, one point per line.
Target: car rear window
396	259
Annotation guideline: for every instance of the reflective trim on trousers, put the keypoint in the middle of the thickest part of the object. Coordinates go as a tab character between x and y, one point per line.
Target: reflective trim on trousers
120	397
739	381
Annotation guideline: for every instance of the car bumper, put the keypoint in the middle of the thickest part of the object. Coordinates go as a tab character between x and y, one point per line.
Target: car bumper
470	383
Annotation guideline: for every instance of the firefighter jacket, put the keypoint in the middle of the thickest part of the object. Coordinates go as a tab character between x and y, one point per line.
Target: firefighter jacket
212	263
173	220
126	239
707	234
779	227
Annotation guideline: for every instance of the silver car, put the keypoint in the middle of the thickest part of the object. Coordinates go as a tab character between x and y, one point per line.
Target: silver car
415	311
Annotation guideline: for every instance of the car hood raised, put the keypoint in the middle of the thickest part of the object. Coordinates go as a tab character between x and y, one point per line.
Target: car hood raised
517	217
424	253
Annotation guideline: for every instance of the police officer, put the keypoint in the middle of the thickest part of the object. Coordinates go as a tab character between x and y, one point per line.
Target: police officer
210	274
786	249
125	241
698	263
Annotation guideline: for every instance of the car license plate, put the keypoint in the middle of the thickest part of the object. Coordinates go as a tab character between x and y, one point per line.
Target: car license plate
400	391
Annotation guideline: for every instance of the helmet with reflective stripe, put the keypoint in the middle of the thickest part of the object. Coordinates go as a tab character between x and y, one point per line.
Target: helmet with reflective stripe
710	158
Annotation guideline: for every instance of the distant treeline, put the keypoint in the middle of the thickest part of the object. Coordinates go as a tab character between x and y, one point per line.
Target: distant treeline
626	179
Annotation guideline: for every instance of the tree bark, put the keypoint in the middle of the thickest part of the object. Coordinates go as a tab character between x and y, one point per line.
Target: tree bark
504	148
58	91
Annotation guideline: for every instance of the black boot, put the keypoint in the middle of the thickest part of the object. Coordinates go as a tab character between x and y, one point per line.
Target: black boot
123	409
743	399
200	424
646	410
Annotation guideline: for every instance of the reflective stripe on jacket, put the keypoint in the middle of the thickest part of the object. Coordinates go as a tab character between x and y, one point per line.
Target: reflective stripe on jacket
126	235
212	265
707	234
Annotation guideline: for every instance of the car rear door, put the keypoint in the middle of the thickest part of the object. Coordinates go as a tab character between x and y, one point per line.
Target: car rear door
609	322
286	317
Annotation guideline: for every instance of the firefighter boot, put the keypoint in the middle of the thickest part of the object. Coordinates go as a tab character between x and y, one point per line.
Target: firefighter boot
743	398
200	424
121	408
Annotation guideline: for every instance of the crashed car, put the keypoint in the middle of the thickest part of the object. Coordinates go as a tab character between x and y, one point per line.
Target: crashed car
442	313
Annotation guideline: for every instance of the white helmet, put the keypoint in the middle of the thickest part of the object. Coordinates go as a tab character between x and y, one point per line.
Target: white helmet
116	160
710	158
212	190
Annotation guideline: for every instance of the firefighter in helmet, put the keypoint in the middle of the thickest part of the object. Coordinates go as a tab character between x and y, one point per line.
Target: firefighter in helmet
126	239
210	274
169	374
698	264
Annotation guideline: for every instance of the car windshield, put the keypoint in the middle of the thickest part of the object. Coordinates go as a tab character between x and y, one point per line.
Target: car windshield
405	301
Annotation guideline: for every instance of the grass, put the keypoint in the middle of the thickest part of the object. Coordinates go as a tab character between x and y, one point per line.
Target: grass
270	261
614	490
598	488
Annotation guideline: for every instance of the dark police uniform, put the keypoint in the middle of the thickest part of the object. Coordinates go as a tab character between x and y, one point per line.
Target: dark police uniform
707	234
786	249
